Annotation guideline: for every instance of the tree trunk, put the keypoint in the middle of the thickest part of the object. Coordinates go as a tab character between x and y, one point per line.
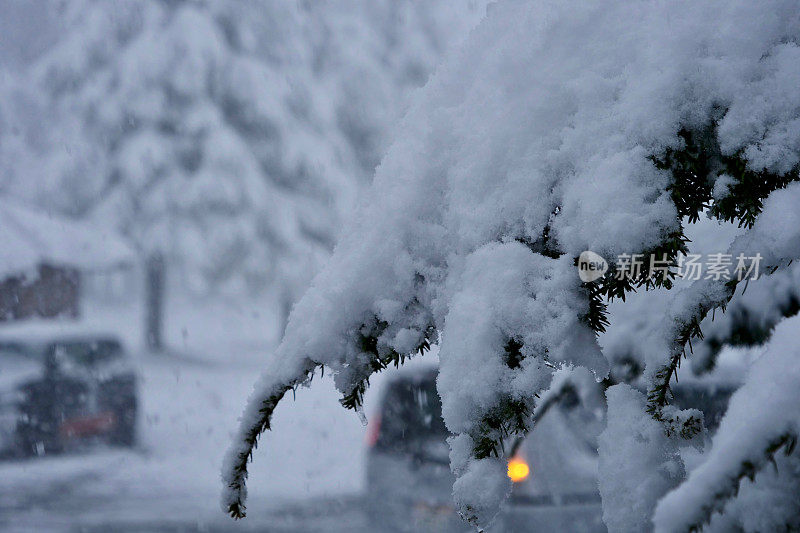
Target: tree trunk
154	302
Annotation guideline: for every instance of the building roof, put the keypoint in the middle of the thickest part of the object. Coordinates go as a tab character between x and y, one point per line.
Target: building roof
41	331
30	237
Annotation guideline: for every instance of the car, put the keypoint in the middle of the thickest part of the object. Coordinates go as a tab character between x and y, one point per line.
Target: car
408	483
62	388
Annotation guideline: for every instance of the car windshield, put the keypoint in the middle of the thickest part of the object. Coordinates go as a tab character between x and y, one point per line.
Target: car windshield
20	349
412	411
88	353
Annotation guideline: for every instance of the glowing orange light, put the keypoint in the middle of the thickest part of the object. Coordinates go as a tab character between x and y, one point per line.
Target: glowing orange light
518	470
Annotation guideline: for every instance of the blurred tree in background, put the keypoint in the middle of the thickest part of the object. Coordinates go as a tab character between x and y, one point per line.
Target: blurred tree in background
232	136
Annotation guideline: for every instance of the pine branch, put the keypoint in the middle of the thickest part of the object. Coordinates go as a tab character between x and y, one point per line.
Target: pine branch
691	192
237	484
745	200
687	329
690	167
367	339
380	358
748	328
509	418
747	469
657	395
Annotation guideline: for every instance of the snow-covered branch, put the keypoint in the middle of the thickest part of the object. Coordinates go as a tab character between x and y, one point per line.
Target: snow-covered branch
254	422
774	237
762	419
750	317
558	129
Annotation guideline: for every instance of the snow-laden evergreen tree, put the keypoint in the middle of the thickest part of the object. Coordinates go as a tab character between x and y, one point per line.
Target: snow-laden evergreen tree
558	128
40	164
232	136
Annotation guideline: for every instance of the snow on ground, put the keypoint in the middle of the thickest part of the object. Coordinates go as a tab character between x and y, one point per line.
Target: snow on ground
191	398
188	414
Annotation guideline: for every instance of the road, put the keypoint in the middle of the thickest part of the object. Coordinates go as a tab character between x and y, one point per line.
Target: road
306	477
81	501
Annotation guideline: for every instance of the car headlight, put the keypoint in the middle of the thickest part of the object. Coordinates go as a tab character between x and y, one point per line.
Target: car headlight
518	469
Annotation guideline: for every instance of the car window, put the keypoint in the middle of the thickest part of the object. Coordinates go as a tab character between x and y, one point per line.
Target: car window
88	353
412	412
19	349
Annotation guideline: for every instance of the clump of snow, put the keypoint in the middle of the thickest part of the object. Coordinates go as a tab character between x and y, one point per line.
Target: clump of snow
722	186
480	489
523	296
638	462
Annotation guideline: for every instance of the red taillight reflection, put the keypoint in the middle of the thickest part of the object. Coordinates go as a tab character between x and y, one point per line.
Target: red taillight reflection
373	431
88	425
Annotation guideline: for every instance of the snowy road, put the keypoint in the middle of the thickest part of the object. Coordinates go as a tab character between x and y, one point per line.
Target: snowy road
307	475
73	505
